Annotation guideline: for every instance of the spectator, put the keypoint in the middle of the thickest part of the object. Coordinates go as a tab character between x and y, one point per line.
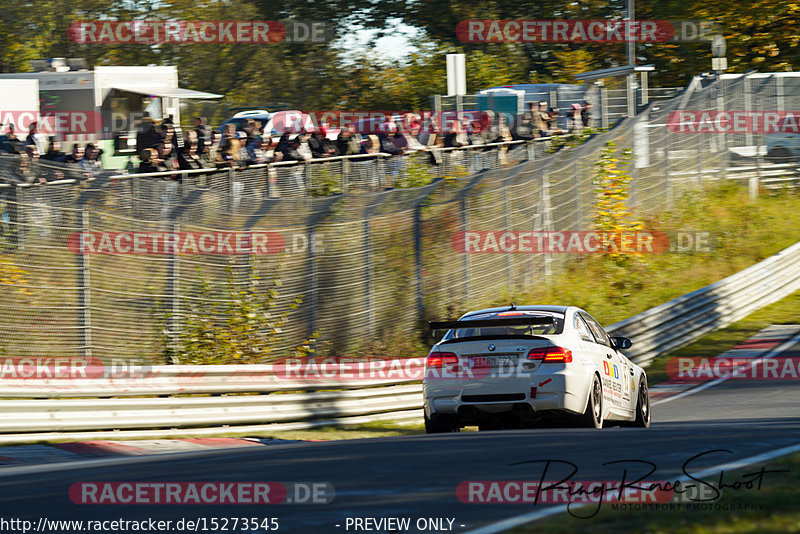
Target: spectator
524	124
586	114
228	153
543	120
254	143
271	152
188	158
149	161
201	131
75	157
167	154
320	145
54	152
371	145
28	165
10	143
166	134
146	134
35	138
574	119
456	137
348	142
283	143
411	136
552	124
91	158
291	151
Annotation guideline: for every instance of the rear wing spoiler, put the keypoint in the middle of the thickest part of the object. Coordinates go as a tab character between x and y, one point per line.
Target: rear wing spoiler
488	323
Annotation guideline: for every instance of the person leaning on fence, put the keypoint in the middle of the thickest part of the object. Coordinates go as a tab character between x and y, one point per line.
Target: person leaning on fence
321	146
54	152
168	154
188	158
28	166
149	161
74	158
291	151
348	143
91	158
201	131
229	148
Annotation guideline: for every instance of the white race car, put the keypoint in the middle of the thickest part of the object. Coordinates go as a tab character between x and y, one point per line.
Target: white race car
517	366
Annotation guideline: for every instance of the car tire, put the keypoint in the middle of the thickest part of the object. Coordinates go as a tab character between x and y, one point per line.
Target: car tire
593	416
439	425
642	406
779	155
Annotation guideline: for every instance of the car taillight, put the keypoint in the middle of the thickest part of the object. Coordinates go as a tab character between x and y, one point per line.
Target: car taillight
438	359
551	355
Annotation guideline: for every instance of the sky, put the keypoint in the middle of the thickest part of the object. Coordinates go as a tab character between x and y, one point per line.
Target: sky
393	47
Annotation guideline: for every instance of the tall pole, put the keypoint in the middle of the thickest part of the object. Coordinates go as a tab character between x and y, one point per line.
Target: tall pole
631	45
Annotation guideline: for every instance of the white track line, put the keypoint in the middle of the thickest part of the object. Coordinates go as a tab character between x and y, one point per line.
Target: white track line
519	520
771	354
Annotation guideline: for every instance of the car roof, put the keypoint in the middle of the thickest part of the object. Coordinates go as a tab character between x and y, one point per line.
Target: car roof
543	307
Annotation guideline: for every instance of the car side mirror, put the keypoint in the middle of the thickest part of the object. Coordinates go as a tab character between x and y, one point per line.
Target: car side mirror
621	343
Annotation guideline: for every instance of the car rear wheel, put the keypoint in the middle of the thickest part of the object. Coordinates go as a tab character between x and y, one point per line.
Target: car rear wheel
593	416
643	406
439	425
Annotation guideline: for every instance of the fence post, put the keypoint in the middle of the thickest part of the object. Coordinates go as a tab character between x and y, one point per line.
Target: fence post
420	287
311	265
345	174
603	107
667	179
173	290
230	190
465	260
507	221
547	222
84	292
368	289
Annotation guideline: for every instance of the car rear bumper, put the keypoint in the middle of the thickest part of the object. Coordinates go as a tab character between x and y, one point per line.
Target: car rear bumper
564	390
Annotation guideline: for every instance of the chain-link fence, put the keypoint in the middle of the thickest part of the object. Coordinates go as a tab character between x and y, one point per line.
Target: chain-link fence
367	260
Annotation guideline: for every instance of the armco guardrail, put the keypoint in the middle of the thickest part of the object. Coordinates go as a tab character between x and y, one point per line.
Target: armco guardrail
46	413
682	320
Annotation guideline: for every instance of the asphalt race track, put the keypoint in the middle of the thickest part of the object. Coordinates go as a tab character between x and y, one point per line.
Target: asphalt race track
416	476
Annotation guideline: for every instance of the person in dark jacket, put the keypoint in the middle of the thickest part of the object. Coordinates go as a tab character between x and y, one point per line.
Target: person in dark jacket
54	152
149	161
146	134
201	131
291	152
320	145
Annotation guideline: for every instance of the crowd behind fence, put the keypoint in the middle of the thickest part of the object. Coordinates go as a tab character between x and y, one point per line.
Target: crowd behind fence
367	261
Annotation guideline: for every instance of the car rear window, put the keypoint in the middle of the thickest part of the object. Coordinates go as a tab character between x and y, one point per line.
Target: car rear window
556	327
